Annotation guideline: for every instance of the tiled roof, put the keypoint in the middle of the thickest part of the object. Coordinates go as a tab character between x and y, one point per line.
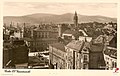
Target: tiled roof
59	46
99	39
42	29
109	38
68	32
75	44
27	39
79	33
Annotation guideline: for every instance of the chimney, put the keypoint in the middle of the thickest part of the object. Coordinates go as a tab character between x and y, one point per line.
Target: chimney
10	24
104	40
17	25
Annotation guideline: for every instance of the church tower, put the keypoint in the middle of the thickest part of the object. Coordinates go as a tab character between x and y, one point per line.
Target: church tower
75	19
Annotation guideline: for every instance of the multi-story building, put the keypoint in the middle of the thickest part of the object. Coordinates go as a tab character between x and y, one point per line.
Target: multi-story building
43	36
110	57
84	55
109	50
57	56
77	55
110	53
96	57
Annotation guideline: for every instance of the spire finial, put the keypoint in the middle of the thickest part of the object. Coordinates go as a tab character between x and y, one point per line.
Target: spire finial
75	13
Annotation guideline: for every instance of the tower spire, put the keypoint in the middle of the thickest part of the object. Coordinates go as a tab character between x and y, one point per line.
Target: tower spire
75	13
75	19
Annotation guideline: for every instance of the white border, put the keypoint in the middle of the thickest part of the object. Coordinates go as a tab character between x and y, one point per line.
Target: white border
36	72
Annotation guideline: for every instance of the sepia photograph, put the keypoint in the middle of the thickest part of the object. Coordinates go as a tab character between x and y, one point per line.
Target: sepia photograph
43	35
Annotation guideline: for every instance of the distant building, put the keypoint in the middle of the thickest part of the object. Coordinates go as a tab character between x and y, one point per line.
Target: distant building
75	33
75	20
84	36
60	30
43	36
18	34
69	34
57	56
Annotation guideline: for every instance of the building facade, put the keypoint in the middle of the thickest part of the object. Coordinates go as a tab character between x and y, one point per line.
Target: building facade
96	57
77	55
43	36
110	57
57	56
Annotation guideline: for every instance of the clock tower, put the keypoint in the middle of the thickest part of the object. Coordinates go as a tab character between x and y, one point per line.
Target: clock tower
75	19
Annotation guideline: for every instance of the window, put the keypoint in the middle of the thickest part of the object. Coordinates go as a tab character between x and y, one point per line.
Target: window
47	34
84	49
42	35
107	63
112	64
85	57
37	34
85	66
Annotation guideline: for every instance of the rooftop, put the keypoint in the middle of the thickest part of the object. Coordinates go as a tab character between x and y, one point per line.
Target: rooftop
75	33
99	39
68	32
75	44
28	39
59	46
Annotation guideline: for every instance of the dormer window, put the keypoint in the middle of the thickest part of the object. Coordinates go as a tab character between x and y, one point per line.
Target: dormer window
85	50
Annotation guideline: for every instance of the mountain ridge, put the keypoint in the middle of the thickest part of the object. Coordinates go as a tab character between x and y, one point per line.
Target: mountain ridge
37	18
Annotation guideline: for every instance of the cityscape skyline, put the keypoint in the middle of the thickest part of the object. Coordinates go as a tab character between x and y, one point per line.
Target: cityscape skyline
61	46
60	8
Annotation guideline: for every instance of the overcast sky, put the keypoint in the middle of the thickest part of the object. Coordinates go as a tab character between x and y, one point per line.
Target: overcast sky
24	8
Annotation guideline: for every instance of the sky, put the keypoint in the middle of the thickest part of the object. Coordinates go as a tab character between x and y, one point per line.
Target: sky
25	8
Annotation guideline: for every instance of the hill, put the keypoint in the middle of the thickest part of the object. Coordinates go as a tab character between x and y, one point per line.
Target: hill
48	18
